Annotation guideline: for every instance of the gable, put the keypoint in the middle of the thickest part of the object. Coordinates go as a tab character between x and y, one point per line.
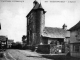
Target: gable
75	27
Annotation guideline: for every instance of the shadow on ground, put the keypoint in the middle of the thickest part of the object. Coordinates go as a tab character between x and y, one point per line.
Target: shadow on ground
35	56
60	57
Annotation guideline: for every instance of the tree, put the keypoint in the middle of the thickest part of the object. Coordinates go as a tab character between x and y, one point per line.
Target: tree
17	45
24	39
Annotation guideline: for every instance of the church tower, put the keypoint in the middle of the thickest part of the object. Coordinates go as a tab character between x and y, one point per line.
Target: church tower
35	24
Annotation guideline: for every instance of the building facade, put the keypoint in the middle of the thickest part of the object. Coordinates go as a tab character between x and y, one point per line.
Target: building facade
75	40
57	38
35	24
3	42
9	43
38	34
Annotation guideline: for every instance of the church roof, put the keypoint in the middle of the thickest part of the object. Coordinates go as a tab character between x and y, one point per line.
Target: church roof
37	6
75	27
55	32
40	6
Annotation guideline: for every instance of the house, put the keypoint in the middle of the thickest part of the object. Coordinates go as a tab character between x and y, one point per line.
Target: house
58	37
9	43
3	42
75	40
38	34
54	34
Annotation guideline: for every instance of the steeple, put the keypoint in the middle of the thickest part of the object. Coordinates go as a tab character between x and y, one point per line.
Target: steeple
35	2
40	6
37	6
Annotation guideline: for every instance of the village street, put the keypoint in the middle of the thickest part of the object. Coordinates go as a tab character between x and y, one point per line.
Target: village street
28	55
22	55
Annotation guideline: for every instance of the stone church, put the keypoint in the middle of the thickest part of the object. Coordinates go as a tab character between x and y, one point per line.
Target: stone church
38	34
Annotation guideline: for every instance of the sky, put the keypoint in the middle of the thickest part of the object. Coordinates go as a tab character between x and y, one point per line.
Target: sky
13	15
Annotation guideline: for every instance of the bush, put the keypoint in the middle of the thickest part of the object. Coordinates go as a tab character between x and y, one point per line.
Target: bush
17	46
1	54
32	48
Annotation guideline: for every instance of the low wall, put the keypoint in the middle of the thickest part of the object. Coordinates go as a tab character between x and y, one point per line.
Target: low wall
1	54
75	54
44	49
49	49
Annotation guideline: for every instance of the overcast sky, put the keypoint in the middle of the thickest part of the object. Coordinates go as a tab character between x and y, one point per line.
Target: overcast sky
13	15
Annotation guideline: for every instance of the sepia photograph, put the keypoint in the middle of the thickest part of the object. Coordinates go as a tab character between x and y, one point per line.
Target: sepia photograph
39	29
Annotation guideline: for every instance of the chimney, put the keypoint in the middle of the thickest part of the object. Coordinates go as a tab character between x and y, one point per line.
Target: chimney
64	27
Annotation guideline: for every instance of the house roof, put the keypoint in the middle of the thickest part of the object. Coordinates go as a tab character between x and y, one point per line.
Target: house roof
75	27
10	40
3	38
55	32
36	7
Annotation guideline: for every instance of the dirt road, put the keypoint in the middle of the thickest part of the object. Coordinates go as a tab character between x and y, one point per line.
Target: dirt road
14	54
23	55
